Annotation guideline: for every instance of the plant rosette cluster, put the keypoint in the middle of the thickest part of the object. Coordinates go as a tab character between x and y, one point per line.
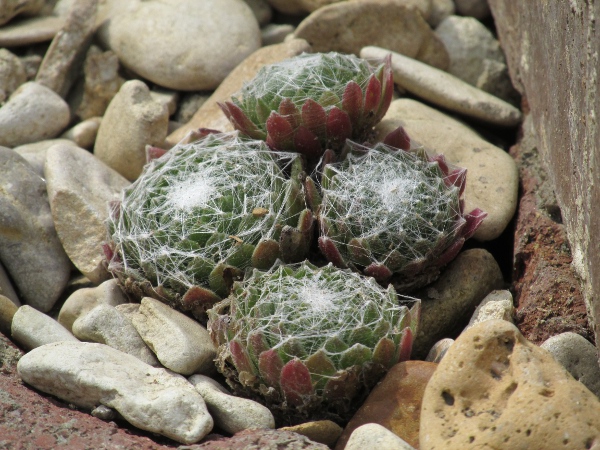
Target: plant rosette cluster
203	213
395	214
313	102
310	342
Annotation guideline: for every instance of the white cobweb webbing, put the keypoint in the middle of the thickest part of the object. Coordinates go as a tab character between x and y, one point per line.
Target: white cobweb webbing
395	201
198	206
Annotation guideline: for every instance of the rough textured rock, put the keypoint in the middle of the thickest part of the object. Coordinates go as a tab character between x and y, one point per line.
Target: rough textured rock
106	325
375	437
548	292
558	42
88	374
447	91
322	431
80	188
578	356
476	56
12	73
492	175
231	413
181	50
101	83
64	57
180	343
32	329
30	420
449	301
132	121
494	389
394	403
496	305
32	113
398	26
83	300
210	115
29	247
262	439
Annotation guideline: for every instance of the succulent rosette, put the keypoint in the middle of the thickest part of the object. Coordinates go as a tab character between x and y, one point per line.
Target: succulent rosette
203	213
310	342
313	102
395	214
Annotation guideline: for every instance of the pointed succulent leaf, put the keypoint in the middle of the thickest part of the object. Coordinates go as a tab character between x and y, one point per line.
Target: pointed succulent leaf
357	355
372	96
307	143
279	132
313	197
240	357
352	103
474	220
384	352
265	254
153	152
199	298
288	109
314	117
240	121
295	382
339	126
386	78
269	367
458	178
331	252
262	110
406	343
343	385
398	139
378	271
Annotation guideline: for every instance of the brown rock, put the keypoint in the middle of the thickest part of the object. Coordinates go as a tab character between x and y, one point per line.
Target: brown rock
263	439
7	311
210	115
495	389
29	420
66	52
447	304
546	287
395	25
558	43
395	402
322	431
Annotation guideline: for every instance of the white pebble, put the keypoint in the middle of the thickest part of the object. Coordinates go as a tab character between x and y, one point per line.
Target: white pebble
32	328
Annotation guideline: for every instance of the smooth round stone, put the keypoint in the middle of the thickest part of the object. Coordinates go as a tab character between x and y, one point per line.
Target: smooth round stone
30	31
347	27
32	113
373	436
35	152
579	356
183	44
6	288
440	9
12	73
7	312
32	328
84	133
89	374
12	8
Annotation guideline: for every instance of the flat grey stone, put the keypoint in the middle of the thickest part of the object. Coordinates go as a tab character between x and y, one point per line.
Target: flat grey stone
90	374
64	57
35	152
231	413
179	342
32	113
12	8
80	188
579	356
12	73
106	325
32	328
30	250
446	90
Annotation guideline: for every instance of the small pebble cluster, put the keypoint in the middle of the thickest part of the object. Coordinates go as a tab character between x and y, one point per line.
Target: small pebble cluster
116	76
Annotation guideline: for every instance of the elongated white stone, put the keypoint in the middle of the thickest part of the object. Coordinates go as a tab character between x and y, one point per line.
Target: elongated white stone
180	343
229	412
32	328
89	374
